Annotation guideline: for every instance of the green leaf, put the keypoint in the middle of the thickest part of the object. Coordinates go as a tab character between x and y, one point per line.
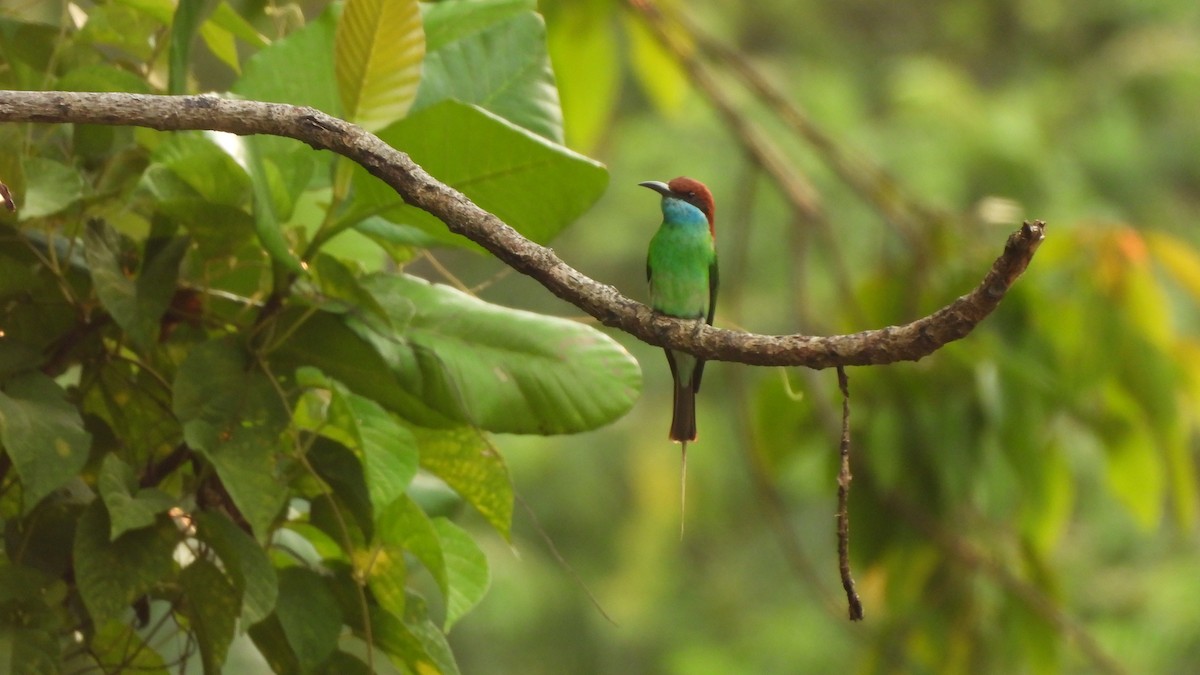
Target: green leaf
117	647
452	20
42	434
500	66
657	70
36	315
113	573
309	615
136	305
211	605
280	168
505	167
384	458
185	22
197	162
378	51
502	369
234	417
386	572
50	187
246	563
389	450
129	508
221	43
403	526
344	489
226	17
1135	470
103	77
466	569
128	400
312	84
122	26
336	281
468	463
415	640
586	55
270	193
30	621
324	341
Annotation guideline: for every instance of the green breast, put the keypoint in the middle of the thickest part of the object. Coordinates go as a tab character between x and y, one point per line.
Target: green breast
679	261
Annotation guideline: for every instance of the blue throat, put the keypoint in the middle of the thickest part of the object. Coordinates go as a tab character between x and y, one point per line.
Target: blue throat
678	212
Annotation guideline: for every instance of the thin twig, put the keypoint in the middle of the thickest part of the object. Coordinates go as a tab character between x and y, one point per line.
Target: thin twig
550	546
843	514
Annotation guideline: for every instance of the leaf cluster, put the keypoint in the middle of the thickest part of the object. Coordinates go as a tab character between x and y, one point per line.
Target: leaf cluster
226	411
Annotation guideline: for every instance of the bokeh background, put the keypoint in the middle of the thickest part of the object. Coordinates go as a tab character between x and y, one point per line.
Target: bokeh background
1025	499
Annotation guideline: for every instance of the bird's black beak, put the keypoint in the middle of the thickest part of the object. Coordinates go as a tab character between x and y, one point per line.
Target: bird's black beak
658	186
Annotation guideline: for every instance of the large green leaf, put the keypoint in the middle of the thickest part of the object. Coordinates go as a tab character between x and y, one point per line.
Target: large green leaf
534	185
452	20
112	574
501	369
465	460
500	65
308	613
306	56
232	415
280	168
378	49
212	609
245	562
42	434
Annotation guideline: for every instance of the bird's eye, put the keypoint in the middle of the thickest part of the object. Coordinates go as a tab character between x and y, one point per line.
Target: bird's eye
691	195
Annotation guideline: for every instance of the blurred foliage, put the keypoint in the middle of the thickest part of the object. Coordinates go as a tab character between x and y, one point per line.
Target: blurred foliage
1025	500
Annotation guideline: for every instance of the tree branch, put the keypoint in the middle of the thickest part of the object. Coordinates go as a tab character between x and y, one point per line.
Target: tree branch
909	342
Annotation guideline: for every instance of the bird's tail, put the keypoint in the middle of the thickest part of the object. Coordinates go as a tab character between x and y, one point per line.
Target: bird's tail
683	491
683	420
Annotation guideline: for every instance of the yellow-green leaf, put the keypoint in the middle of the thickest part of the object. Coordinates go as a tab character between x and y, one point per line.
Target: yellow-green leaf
378	49
464	459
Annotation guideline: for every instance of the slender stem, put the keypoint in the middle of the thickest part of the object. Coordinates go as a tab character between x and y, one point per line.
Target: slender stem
843	514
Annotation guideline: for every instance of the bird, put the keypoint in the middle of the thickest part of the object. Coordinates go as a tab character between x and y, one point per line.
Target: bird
681	268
